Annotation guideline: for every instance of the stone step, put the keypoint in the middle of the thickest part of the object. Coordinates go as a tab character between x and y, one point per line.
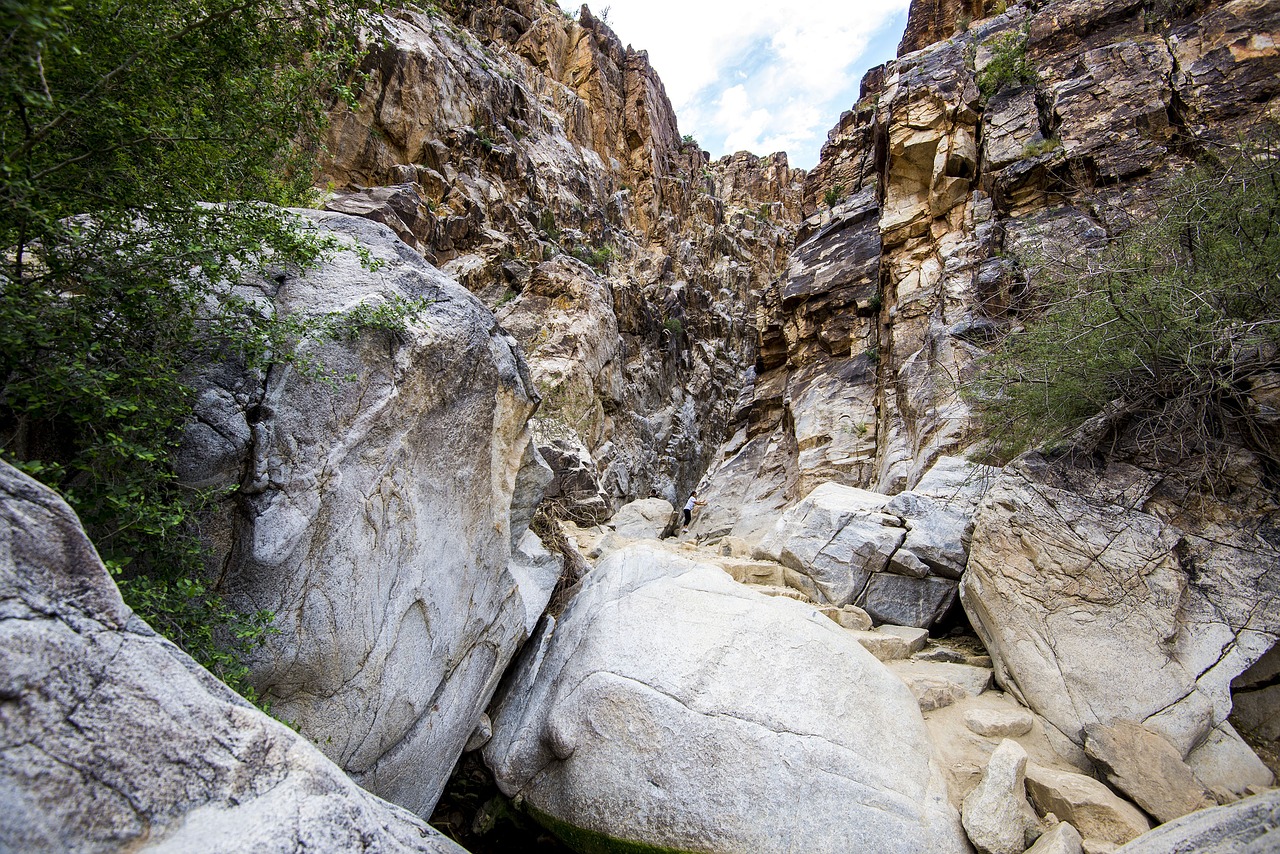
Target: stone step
891	643
938	684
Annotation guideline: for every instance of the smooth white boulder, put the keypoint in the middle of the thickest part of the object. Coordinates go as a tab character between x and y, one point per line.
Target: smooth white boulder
115	740
645	518
672	706
376	515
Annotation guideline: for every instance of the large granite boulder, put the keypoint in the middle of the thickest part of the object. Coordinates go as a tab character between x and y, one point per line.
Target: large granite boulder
111	738
1096	612
376	513
899	558
673	707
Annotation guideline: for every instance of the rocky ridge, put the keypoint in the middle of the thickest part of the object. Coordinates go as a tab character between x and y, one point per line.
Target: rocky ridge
893	290
538	160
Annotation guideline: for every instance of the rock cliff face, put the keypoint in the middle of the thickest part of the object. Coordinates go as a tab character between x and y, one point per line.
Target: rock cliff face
928	189
538	160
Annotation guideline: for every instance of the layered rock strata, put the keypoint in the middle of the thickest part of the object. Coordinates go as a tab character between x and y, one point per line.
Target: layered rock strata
934	204
551	179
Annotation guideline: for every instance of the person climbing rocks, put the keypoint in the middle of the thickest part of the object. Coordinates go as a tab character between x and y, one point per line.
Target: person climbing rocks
688	508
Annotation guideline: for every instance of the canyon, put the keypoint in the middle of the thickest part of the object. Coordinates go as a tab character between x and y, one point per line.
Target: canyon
871	636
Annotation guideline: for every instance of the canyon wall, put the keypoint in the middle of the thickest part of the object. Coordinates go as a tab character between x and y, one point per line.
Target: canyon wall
537	160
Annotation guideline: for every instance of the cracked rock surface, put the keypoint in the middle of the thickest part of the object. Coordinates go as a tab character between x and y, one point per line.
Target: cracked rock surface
673	706
377	513
1095	611
111	738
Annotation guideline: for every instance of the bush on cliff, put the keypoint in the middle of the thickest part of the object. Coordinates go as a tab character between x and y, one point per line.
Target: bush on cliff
121	117
1171	329
1008	67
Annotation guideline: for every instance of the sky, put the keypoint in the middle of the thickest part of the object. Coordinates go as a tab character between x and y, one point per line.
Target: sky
759	75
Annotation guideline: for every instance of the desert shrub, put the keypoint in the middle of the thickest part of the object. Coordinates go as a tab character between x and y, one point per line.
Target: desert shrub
1008	67
833	195
1167	327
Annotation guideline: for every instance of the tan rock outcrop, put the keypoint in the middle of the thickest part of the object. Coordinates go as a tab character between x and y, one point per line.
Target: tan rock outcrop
1096	612
559	189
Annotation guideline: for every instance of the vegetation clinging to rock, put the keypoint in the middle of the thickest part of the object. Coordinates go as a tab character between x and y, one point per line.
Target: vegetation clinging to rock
1170	328
126	117
1008	66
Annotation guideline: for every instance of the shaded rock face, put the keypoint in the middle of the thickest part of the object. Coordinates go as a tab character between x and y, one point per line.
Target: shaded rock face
931	21
557	186
898	558
661	708
847	546
895	289
114	739
376	514
1251	826
1096	612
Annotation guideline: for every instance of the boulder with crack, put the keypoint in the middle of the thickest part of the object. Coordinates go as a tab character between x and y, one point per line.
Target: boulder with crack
672	707
1095	611
376	514
898	558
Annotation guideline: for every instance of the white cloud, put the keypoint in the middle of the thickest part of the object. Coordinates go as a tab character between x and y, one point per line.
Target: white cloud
759	75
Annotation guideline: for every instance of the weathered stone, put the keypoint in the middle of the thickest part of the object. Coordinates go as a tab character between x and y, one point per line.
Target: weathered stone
903	562
882	646
915	637
398	207
931	21
995	723
1086	608
575	487
646	518
937	533
1227	64
963	753
1147	768
907	601
971	680
996	814
847	616
1251	826
1224	762
668	703
1255	697
836	539
1062	839
1107	94
1088	805
115	739
376	516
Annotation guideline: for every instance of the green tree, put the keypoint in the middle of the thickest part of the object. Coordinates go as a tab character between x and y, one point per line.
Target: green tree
1008	66
123	121
1169	329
